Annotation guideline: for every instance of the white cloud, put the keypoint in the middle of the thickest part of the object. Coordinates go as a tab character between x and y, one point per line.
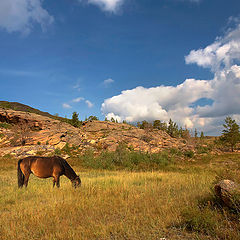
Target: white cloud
161	102
66	105
90	105
179	103
20	15
107	82
106	5
222	54
79	99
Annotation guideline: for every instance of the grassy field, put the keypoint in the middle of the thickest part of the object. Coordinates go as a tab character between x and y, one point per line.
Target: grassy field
172	203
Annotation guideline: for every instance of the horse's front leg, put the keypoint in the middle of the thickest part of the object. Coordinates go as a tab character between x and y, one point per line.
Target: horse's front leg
54	182
58	181
26	179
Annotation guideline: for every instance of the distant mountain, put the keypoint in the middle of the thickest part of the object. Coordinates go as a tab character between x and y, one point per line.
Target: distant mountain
24	108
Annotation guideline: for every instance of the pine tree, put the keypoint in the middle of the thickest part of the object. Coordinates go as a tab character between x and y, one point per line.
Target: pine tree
172	129
113	120
231	134
75	121
195	133
157	124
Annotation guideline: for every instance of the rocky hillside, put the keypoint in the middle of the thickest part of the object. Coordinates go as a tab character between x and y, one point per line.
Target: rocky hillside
26	133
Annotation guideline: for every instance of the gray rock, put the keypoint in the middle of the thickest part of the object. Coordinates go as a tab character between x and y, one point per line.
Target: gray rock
229	192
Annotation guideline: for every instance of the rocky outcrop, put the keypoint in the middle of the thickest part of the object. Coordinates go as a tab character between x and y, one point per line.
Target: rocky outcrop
229	192
98	135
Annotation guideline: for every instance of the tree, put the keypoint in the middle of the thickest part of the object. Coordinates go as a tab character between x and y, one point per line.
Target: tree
195	133
92	118
157	124
112	120
75	121
184	133
172	129
230	134
144	125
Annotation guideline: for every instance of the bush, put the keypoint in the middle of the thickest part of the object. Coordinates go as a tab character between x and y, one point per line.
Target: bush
67	149
202	149
189	154
200	220
146	138
175	152
57	151
122	158
5	125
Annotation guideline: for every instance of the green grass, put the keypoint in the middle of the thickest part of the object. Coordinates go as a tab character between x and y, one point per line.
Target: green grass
171	204
5	125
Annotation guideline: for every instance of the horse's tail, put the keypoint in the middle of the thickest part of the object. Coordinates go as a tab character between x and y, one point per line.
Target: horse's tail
20	175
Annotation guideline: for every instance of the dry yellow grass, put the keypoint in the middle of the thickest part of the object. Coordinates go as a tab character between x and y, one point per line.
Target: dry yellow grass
108	205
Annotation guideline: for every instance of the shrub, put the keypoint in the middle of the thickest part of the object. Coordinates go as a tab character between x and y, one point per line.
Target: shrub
200	220
5	125
122	158
57	151
189	154
67	149
202	149
175	151
146	138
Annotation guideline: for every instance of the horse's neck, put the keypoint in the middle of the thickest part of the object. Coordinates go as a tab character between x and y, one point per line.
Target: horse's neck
69	173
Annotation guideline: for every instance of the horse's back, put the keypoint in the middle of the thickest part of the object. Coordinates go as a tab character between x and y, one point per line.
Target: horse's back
43	167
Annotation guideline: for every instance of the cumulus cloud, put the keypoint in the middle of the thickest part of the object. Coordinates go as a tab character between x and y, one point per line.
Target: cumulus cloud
66	105
20	15
89	104
160	102
106	5
107	82
79	99
181	103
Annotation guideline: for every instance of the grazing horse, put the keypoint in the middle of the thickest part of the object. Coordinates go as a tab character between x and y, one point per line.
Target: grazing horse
45	167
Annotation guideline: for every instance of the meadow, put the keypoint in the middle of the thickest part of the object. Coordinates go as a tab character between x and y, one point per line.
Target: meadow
175	201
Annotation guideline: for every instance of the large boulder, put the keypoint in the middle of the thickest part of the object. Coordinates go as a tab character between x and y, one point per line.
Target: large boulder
229	192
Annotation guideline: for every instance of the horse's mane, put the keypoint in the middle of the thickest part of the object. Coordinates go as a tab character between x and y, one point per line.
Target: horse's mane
68	171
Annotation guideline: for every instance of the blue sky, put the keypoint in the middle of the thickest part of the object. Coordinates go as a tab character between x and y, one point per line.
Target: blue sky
127	59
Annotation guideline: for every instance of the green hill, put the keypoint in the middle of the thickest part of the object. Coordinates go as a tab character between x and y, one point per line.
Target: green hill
24	108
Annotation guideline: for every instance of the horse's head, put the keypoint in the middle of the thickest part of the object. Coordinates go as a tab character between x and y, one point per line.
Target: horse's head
76	182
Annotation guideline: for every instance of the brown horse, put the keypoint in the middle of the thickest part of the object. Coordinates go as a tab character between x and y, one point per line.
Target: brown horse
45	167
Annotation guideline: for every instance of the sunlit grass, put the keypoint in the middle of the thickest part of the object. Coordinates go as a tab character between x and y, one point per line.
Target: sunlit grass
108	205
